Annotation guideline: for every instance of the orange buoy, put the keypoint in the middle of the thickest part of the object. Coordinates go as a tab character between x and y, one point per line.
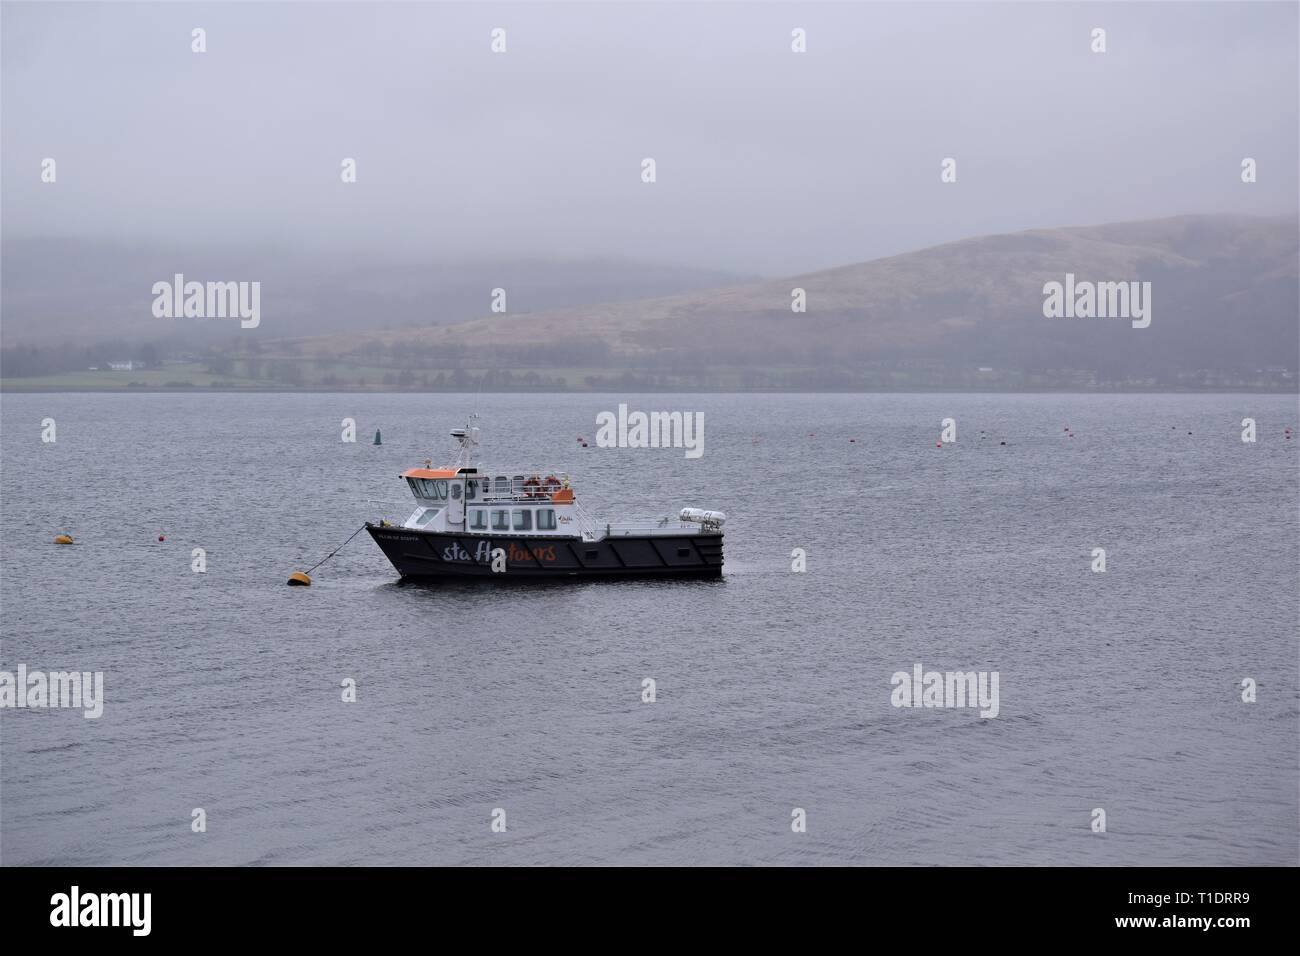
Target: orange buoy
63	539
298	579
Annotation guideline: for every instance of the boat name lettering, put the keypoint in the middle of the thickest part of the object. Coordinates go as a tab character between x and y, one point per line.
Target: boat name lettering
482	553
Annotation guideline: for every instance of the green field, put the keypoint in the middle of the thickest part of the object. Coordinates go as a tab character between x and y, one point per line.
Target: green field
190	375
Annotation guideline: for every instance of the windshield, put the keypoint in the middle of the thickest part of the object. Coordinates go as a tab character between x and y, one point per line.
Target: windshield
433	488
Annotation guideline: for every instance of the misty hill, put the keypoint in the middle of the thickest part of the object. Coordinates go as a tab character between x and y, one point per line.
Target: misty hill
1224	296
1224	313
79	290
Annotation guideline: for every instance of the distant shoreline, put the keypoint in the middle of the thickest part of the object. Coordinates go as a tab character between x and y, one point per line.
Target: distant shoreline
6	389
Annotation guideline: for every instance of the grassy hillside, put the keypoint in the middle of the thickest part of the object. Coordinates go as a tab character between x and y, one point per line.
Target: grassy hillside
1224	291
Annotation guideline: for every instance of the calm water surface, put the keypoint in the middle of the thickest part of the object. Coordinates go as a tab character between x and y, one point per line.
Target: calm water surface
1118	690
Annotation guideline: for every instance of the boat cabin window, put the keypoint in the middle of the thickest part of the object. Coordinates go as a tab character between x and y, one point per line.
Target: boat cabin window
478	519
435	488
500	520
471	489
523	520
426	517
545	519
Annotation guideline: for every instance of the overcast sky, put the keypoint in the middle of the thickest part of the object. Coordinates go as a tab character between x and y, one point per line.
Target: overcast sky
768	161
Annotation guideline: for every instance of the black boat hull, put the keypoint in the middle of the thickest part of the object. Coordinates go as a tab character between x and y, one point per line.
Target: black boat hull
431	555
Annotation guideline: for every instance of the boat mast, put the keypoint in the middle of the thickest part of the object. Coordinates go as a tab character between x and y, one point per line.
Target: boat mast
467	439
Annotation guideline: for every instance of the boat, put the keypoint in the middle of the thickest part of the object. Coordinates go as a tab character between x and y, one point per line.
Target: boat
474	522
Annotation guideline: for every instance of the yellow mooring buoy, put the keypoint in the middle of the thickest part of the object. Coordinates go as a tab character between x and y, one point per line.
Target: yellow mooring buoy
63	539
301	579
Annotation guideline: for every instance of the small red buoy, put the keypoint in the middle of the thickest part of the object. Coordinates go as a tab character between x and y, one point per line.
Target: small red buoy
161	538
938	444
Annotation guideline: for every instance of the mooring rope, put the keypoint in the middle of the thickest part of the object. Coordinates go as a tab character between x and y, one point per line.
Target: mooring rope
336	550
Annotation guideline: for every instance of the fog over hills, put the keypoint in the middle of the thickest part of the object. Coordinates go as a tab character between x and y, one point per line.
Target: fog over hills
626	171
1223	291
88	290
1223	306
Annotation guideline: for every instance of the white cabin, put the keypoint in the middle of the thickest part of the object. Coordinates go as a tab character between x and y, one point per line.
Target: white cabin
463	499
467	501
